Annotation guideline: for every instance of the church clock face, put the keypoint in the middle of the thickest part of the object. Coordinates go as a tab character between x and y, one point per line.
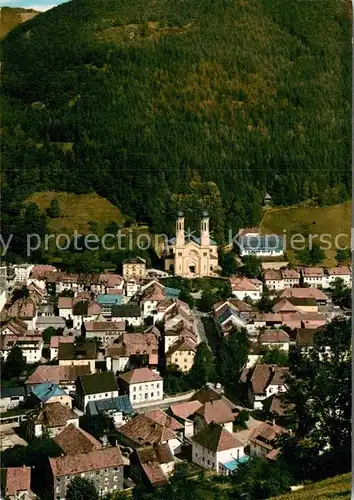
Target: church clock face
193	253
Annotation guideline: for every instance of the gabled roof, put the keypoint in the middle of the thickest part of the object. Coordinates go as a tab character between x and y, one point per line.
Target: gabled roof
15	480
56	340
162	418
310	293
84	462
144	431
85	350
312	272
181	345
216	411
134	260
273	337
93	326
215	438
53	415
140	375
151	458
266	435
98	382
210	393
47	390
74	440
338	271
57	374
24	308
261	376
243	284
186	409
284	305
120	403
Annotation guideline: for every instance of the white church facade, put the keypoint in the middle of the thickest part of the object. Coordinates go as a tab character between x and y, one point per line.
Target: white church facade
189	256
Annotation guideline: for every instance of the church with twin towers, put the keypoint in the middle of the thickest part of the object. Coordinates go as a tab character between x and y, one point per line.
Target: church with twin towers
190	256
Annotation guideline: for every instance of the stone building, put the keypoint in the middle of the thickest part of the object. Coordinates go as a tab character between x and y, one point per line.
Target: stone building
190	256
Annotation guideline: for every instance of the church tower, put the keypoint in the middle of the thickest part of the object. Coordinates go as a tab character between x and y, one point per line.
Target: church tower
204	230
180	230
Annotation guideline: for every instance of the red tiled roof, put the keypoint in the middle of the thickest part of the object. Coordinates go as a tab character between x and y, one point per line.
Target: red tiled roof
312	271
284	306
83	462
216	411
54	341
303	293
273	336
40	271
264	375
181	345
338	271
18	479
23	309
290	274
162	418
272	274
144	431
74	440
185	410
65	303
56	374
105	325
111	280
243	284
215	438
140	375
53	415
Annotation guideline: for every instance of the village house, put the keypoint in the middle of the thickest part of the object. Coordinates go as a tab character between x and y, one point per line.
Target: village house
134	268
189	256
253	243
45	310
11	397
285	306
39	274
47	392
264	440
274	339
166	420
25	310
107	331
14	327
52	418
37	294
264	381
313	276
230	315
149	298
22	273
306	293
182	354
63	376
16	483
184	412
142	431
142	385
278	279
73	440
97	386
80	353
215	448
217	411
31	347
340	272
255	353
153	463
119	409
129	313
54	344
243	287
304	305
108	300
132	349
278	408
103	467
78	309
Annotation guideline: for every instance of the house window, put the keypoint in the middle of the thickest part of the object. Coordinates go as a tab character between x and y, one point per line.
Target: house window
158	394
208	462
146	395
106	394
134	397
152	394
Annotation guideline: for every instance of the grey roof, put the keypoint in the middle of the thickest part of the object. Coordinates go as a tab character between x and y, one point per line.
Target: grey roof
8	392
121	403
189	238
44	320
126	311
98	382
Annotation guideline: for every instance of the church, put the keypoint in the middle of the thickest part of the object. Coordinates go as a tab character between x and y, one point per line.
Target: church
189	256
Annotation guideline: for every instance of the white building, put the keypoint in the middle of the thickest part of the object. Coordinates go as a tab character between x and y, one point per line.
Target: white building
264	381
334	273
269	245
243	287
275	339
97	386
142	385
313	276
214	448
31	346
22	273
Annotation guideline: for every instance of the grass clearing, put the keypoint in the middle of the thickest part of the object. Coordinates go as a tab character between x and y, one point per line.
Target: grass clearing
306	220
335	488
77	210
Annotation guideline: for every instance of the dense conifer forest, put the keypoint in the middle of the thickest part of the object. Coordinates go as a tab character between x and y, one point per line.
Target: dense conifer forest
165	104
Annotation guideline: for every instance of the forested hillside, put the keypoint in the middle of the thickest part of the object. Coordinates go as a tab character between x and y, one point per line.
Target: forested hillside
165	104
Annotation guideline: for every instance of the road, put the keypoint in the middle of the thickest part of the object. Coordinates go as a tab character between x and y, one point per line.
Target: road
201	332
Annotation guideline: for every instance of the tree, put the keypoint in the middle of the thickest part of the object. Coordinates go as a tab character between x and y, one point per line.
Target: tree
97	425
237	353
340	293
312	256
275	356
48	333
187	298
53	211
343	256
14	364
80	488
251	266
206	302
320	389
203	369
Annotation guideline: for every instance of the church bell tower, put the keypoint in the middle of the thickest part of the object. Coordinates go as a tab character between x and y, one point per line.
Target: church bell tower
204	230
